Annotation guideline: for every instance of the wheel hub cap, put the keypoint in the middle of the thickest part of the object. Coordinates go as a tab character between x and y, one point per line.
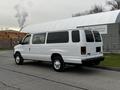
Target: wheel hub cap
17	59
57	64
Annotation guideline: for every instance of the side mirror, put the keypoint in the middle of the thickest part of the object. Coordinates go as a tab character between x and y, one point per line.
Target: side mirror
19	42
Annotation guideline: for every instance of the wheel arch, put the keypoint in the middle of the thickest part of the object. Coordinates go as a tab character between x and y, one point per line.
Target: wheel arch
16	53
56	55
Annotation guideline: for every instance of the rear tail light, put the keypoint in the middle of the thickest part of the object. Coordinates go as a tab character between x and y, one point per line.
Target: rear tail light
83	50
98	49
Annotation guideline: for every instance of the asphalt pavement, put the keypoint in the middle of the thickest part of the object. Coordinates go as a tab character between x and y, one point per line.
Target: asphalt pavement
41	76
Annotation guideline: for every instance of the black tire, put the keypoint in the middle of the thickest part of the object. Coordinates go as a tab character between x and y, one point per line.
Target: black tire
78	65
97	62
58	64
18	59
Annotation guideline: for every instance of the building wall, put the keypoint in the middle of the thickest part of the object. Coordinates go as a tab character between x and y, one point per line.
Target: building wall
8	39
112	39
5	44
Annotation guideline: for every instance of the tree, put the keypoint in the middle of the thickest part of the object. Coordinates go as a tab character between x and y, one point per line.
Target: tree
110	4
81	14
113	4
96	9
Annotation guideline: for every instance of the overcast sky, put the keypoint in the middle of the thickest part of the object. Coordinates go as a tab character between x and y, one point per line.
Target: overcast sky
43	10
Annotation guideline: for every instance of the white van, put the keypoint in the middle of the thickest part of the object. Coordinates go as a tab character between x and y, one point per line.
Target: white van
72	46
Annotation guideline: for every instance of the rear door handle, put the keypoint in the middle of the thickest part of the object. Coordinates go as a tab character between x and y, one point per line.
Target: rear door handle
29	49
89	54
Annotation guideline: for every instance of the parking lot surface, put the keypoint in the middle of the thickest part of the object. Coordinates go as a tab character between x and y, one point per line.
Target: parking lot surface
41	76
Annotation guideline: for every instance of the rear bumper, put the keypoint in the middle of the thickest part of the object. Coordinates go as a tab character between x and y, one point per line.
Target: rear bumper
93	60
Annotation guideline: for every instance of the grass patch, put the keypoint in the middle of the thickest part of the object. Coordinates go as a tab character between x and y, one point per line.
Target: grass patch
111	60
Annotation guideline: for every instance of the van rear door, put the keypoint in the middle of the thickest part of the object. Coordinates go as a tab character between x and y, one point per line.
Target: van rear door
98	41
93	43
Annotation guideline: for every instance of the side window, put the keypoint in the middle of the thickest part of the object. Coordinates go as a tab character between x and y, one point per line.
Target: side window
97	36
89	36
26	39
75	36
39	38
58	37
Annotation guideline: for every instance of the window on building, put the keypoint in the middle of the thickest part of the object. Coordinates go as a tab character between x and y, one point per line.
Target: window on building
75	36
58	37
39	38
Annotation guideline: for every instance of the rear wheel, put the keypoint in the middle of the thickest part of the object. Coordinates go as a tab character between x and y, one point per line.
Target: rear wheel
18	59
58	64
97	62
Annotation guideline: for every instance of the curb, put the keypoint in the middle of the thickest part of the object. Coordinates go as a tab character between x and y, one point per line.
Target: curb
108	68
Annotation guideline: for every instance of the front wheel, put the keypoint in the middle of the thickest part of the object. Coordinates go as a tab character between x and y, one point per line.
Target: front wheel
18	59
58	64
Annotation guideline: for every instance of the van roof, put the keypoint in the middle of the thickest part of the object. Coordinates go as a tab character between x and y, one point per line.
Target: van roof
53	31
72	23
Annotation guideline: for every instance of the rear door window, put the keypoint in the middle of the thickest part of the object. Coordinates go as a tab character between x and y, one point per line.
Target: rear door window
89	36
75	36
97	36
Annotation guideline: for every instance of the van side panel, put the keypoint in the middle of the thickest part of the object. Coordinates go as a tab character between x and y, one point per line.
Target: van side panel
70	51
